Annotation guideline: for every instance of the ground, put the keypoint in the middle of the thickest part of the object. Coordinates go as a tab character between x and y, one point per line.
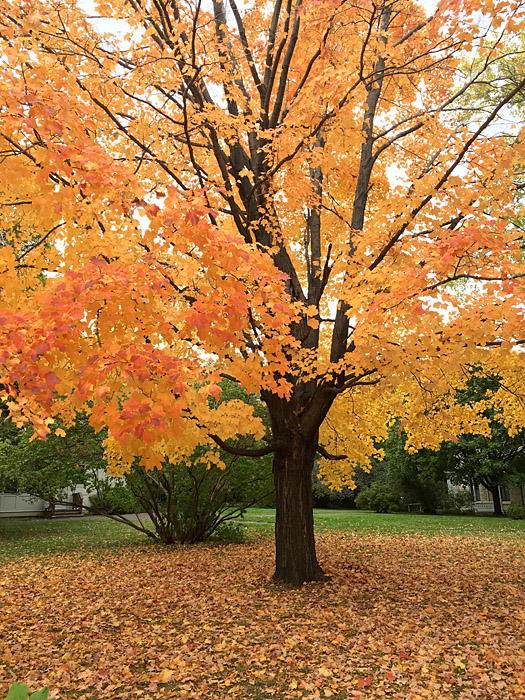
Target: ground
409	613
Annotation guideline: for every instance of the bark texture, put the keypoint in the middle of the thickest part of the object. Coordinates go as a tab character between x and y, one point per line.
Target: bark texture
295	555
496	499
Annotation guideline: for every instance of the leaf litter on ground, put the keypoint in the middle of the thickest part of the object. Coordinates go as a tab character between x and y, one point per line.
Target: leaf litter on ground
403	617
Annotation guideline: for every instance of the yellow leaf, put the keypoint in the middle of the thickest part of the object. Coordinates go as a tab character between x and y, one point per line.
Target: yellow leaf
165	676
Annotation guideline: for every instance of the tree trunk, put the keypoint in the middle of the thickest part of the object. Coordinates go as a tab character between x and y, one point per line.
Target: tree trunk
295	557
494	490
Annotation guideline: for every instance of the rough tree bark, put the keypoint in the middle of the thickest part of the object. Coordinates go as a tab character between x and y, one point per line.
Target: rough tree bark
496	499
295	555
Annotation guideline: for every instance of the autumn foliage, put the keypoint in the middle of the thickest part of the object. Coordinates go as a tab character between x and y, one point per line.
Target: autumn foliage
286	194
404	617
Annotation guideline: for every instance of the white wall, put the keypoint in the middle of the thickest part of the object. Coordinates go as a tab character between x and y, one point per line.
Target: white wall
20	505
15	505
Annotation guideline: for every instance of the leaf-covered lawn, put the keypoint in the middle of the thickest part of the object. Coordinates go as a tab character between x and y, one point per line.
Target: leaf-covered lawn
20	538
404	617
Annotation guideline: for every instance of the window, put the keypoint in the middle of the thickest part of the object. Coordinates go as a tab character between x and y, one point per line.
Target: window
504	493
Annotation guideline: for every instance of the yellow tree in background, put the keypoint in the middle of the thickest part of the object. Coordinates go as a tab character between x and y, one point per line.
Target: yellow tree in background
282	193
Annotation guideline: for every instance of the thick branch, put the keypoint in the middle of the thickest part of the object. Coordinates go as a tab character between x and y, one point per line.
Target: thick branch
322	451
241	451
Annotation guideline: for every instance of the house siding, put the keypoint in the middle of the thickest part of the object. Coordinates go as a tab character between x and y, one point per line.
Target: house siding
485	502
22	505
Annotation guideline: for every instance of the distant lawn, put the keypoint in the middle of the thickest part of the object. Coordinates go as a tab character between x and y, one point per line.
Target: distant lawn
19	538
409	523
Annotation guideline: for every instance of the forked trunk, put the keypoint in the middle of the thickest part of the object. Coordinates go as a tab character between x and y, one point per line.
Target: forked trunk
295	557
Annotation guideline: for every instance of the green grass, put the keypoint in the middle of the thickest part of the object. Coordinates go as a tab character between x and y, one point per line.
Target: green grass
408	523
20	538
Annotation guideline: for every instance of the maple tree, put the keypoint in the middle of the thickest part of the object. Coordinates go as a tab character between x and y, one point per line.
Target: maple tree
281	194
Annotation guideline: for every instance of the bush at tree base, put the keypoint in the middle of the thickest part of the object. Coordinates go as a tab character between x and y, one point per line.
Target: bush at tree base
187	502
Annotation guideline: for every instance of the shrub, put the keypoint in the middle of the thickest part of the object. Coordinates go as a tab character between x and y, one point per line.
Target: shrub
189	501
116	499
515	511
461	501
378	497
232	533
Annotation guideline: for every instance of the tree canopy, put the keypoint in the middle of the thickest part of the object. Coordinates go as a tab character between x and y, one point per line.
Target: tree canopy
282	194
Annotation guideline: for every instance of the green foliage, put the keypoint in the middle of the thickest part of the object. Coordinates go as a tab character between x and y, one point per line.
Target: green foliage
515	511
114	497
377	472
48	468
324	497
20	691
379	497
416	478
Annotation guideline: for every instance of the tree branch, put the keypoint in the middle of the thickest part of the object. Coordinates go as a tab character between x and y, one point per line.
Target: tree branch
322	451
241	451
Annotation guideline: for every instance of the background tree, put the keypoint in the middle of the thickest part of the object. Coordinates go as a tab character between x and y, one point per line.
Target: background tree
418	478
48	469
493	460
492	457
281	194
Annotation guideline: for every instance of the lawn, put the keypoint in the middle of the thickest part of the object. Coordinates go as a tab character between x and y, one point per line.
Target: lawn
417	608
19	538
40	537
413	523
